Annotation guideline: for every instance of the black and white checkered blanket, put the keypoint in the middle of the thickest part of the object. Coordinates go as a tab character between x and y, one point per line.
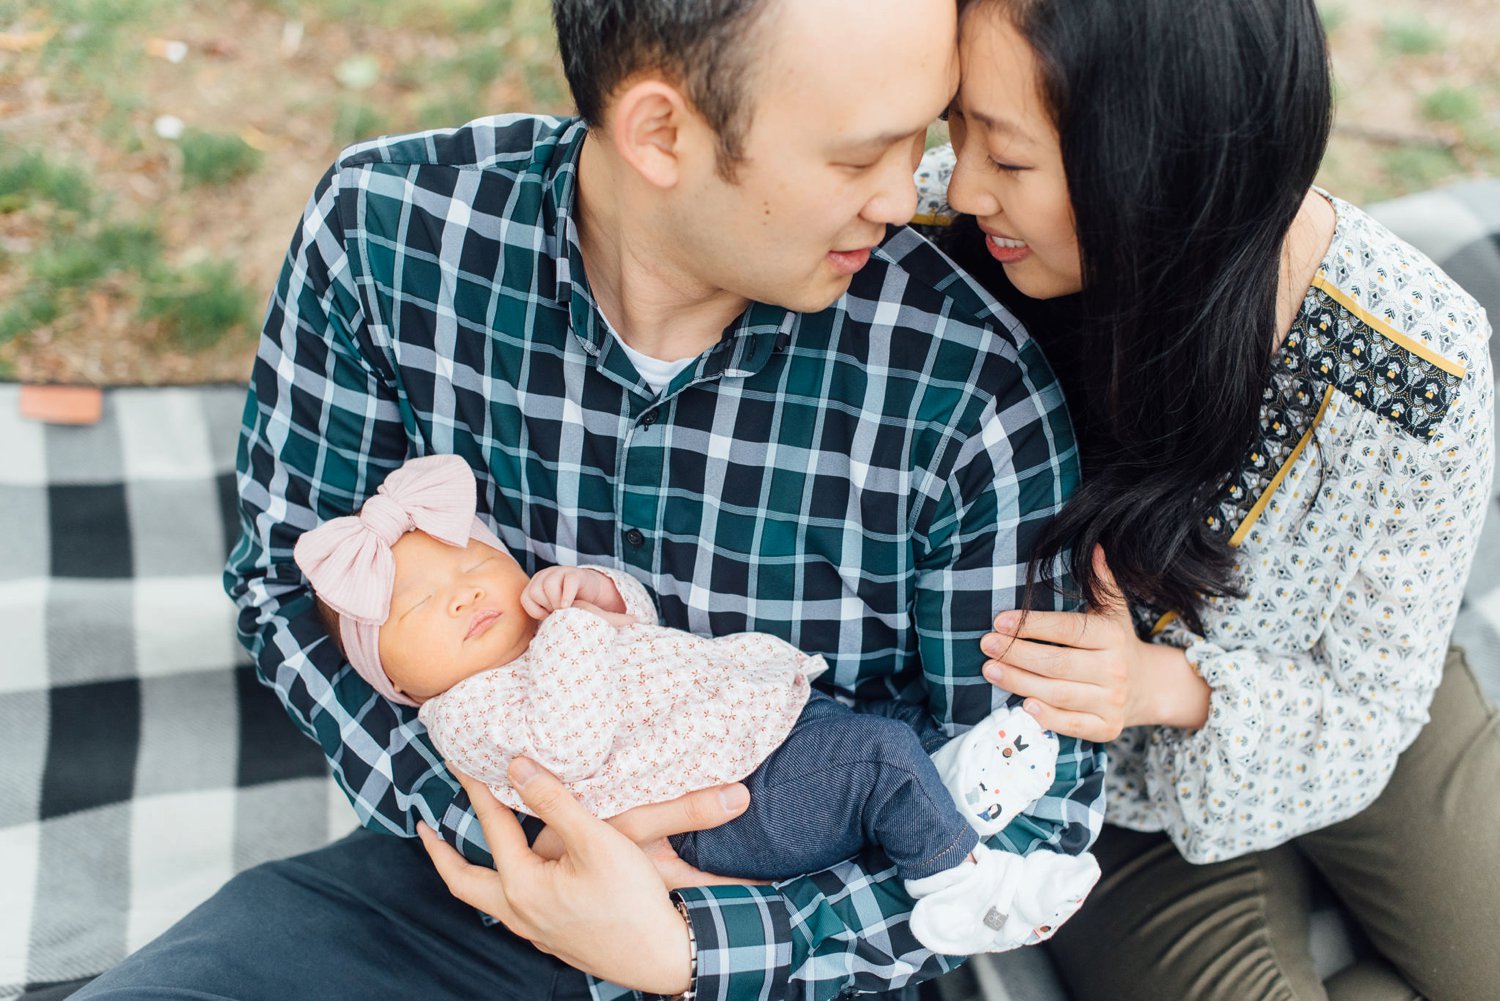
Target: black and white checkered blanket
141	764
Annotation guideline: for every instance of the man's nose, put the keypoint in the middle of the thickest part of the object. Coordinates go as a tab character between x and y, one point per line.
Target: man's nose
896	201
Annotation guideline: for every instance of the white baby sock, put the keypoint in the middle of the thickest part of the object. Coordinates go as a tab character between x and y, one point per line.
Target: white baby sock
998	768
1000	901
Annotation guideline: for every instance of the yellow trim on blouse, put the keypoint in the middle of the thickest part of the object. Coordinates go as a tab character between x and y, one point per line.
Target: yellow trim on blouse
1264	500
1383	328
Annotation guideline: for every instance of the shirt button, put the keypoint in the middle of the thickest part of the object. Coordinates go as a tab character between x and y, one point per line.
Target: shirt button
634	537
649	418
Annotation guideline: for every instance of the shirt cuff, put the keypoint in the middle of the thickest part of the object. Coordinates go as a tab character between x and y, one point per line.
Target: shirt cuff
744	940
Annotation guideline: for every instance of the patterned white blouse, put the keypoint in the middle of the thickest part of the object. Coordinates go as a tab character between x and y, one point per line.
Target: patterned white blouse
1356	514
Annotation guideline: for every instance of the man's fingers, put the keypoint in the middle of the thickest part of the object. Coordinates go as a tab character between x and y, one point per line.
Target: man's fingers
676	873
548	800
501	829
697	811
460	876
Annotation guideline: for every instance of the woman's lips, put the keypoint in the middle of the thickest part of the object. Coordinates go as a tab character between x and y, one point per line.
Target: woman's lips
481	624
1006	251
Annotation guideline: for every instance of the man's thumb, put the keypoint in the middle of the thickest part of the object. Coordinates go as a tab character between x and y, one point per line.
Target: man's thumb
548	799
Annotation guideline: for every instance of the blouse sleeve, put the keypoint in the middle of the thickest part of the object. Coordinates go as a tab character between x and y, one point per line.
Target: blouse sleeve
1295	742
638	600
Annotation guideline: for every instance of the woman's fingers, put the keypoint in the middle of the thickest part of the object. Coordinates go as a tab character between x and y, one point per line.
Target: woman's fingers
1062	694
1074	629
1084	726
1110	594
1060	662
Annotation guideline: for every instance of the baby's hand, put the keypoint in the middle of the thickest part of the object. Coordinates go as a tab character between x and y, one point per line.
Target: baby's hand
567	587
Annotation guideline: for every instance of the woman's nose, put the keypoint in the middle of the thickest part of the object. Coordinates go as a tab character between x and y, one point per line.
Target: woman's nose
967	192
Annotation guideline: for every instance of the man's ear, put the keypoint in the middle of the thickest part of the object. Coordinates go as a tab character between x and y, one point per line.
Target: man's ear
648	126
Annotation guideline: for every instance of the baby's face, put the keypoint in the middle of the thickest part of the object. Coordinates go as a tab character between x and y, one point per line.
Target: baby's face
454	612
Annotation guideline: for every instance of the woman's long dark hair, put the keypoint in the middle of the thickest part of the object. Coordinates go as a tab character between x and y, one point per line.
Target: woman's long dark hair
1191	131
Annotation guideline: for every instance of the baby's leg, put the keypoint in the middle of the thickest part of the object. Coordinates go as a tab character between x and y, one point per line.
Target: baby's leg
839	783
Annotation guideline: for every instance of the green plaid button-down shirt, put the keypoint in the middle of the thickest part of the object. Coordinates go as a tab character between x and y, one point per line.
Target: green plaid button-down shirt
864	482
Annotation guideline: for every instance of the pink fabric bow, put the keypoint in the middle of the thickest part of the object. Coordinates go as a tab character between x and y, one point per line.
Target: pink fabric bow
348	560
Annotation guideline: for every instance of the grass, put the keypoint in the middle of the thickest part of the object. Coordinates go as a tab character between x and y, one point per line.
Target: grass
1452	105
1411	35
216	157
196	305
357	120
76	260
1334	16
1415	167
98	45
201	304
440	16
28	177
35	307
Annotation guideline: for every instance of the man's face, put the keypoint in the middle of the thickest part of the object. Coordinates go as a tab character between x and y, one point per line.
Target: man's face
841	101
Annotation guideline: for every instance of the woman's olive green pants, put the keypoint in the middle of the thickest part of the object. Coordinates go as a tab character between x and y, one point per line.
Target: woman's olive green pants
1419	871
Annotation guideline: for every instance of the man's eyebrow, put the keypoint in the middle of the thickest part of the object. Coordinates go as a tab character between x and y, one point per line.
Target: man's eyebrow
876	142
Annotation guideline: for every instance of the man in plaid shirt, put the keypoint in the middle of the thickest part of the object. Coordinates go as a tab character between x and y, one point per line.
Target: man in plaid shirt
676	337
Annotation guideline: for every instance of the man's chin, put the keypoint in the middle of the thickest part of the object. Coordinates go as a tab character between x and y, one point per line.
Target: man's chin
817	296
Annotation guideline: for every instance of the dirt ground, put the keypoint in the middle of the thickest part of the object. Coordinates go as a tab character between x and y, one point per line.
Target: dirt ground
296	81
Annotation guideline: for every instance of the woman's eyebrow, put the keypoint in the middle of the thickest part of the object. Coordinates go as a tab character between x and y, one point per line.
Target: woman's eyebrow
1002	125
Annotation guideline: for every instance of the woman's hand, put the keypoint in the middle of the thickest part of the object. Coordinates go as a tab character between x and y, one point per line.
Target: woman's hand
601	908
1087	674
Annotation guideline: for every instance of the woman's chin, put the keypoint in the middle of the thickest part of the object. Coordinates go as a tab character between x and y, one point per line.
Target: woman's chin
1024	277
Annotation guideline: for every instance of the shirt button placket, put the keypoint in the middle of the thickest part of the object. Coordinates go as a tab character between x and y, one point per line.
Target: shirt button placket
642	486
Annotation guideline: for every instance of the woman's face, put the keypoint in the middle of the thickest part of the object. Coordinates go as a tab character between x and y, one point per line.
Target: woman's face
1009	170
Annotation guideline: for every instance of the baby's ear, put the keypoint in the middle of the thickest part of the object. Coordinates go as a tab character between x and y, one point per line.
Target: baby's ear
330	620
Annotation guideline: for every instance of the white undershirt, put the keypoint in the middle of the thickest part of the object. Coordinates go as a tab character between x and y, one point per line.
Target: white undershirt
653	371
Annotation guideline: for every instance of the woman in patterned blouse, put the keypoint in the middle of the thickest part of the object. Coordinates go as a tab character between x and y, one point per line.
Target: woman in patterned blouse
1285	417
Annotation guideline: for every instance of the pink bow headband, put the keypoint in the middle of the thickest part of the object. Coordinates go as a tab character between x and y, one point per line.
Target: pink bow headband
349	563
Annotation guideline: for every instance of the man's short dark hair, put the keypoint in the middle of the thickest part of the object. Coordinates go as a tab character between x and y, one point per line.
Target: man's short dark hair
705	47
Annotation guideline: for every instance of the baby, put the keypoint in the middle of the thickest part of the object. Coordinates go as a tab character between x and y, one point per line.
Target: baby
571	669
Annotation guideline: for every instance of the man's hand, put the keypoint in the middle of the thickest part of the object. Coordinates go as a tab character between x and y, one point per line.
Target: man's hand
1088	675
601	908
649	827
564	587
